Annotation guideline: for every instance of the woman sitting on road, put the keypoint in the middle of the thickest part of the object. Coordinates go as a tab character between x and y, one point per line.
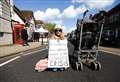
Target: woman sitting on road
43	63
58	35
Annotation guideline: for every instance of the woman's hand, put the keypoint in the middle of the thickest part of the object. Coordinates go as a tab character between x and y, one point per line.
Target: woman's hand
62	36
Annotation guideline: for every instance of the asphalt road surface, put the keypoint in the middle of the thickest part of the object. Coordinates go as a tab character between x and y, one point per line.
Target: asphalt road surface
22	70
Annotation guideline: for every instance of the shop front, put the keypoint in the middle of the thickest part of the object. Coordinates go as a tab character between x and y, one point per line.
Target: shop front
17	33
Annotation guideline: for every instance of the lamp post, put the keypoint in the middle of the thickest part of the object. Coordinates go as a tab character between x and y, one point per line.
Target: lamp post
42	35
42	38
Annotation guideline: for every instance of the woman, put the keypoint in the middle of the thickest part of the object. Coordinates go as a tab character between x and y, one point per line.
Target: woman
58	35
43	63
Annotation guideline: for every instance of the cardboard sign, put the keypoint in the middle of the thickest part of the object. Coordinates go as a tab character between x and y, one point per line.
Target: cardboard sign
58	54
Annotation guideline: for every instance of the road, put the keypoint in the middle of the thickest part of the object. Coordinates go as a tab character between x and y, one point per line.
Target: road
22	70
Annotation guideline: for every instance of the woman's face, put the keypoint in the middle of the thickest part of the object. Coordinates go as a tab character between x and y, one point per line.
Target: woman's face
58	32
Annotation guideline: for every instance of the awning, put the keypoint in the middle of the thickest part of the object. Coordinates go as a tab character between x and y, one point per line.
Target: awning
41	30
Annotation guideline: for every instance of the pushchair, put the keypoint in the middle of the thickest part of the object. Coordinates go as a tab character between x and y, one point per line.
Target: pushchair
88	35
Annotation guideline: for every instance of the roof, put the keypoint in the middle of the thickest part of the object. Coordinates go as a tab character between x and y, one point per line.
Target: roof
114	10
27	14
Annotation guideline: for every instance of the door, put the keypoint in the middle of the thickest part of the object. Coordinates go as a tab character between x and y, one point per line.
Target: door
17	33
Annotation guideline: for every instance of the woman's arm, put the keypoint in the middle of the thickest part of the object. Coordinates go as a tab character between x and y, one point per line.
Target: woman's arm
62	36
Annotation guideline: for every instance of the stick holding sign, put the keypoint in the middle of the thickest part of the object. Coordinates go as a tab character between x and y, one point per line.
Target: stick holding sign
58	54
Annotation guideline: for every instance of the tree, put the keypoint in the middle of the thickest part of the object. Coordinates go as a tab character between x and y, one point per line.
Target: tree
49	26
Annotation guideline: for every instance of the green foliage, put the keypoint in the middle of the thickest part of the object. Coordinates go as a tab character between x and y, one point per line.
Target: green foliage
49	26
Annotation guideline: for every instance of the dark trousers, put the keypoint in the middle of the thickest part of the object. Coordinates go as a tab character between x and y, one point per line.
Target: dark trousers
25	42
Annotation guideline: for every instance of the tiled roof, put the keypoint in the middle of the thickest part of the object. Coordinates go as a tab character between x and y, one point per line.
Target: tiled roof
27	14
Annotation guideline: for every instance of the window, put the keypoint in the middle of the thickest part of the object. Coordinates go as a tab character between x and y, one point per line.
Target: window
1	34
0	8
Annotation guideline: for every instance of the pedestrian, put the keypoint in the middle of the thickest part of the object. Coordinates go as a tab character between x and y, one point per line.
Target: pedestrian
24	37
36	36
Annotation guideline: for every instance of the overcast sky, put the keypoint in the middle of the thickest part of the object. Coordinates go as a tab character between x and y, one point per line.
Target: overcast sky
64	12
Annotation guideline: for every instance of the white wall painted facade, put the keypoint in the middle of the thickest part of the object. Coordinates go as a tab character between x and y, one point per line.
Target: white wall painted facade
15	17
31	28
5	23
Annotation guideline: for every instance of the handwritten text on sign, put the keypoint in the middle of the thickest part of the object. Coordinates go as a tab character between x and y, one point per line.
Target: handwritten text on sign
58	54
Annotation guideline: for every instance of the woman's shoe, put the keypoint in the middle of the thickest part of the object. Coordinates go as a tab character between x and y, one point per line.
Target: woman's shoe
54	69
61	69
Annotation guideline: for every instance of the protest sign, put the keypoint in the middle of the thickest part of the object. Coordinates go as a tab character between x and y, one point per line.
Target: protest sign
58	54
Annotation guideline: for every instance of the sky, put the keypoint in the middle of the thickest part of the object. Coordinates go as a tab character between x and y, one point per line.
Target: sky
64	12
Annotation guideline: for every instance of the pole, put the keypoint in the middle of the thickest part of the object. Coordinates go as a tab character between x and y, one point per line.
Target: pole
42	39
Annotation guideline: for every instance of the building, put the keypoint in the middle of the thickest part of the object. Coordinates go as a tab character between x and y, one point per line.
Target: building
113	24
5	23
111	31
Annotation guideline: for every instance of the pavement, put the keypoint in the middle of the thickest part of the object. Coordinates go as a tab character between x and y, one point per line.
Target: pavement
17	48
14	49
115	51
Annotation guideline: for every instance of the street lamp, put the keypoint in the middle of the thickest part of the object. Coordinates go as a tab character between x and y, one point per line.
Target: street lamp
42	38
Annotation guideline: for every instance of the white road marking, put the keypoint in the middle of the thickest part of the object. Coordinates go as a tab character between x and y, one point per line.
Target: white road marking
8	61
111	52
4	63
33	52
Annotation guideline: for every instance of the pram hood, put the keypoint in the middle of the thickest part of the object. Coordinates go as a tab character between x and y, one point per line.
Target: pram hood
87	20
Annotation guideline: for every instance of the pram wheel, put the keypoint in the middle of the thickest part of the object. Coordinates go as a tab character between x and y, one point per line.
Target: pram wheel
79	66
96	65
93	66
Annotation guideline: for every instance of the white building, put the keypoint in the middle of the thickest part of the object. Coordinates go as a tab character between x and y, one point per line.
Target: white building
5	23
17	16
